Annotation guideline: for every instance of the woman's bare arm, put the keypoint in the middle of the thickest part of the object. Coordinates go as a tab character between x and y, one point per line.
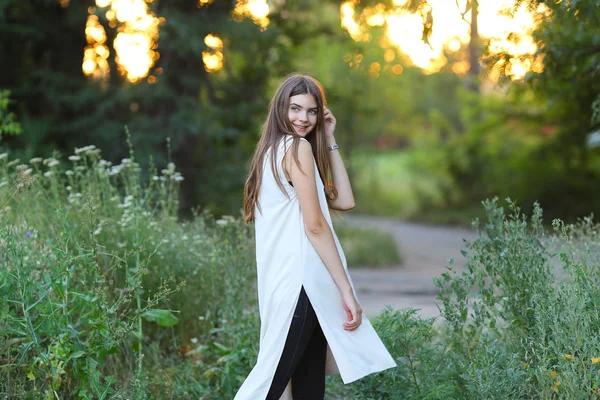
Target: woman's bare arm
317	228
339	176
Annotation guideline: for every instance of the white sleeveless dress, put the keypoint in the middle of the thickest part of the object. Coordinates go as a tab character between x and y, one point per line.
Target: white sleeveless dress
286	261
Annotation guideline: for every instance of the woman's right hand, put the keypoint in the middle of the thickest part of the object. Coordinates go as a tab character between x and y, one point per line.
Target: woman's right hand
353	311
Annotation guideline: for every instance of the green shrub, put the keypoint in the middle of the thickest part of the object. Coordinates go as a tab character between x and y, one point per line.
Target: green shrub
400	184
516	330
520	321
359	245
423	371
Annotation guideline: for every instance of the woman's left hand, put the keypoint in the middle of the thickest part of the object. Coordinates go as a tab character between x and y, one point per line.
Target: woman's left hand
329	123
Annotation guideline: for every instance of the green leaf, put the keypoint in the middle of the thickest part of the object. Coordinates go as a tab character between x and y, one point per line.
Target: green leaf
161	317
77	354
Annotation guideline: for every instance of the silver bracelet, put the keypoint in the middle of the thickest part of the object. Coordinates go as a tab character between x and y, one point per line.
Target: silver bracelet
332	147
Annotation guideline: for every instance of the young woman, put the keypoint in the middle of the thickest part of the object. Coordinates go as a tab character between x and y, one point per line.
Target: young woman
308	309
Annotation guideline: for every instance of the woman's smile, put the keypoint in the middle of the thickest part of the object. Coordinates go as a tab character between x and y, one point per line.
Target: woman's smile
303	113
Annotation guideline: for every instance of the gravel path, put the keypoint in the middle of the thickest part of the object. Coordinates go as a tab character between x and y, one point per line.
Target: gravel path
426	250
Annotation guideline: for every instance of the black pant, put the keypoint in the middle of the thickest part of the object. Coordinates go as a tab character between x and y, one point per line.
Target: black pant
303	356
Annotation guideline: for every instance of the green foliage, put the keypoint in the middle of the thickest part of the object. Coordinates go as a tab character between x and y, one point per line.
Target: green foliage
519	321
358	245
515	330
93	302
8	120
99	274
423	370
560	170
509	146
403	183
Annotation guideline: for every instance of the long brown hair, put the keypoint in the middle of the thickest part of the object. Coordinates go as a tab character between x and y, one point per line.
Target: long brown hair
273	130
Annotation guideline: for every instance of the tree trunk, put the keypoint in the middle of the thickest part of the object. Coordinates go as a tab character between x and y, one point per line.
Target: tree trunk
472	80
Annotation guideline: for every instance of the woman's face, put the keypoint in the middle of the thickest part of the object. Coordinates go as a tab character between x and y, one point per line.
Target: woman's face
303	113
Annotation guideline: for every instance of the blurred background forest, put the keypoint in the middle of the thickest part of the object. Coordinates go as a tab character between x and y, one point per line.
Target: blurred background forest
440	104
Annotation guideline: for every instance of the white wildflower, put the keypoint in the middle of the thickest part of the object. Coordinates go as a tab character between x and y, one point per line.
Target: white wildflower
69	172
73	198
85	149
74	158
3	156
48	160
36	160
222	222
48	174
80	168
126	161
69	188
13	162
3	183
99	228
155	178
53	163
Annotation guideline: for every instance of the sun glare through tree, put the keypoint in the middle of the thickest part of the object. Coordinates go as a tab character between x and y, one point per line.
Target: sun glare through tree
507	29
134	46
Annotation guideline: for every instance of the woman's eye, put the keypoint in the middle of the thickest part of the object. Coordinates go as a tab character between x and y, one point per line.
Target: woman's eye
313	112
294	108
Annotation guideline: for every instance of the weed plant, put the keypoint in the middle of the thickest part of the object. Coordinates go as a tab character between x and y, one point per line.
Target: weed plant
520	321
104	294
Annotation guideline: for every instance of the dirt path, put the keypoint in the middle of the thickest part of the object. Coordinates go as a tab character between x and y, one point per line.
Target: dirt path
426	250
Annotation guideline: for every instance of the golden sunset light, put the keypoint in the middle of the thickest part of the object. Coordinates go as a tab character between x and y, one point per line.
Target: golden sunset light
134	44
213	61
450	32
257	10
96	53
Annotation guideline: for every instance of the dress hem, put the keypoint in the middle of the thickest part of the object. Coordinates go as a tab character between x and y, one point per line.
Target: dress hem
372	369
